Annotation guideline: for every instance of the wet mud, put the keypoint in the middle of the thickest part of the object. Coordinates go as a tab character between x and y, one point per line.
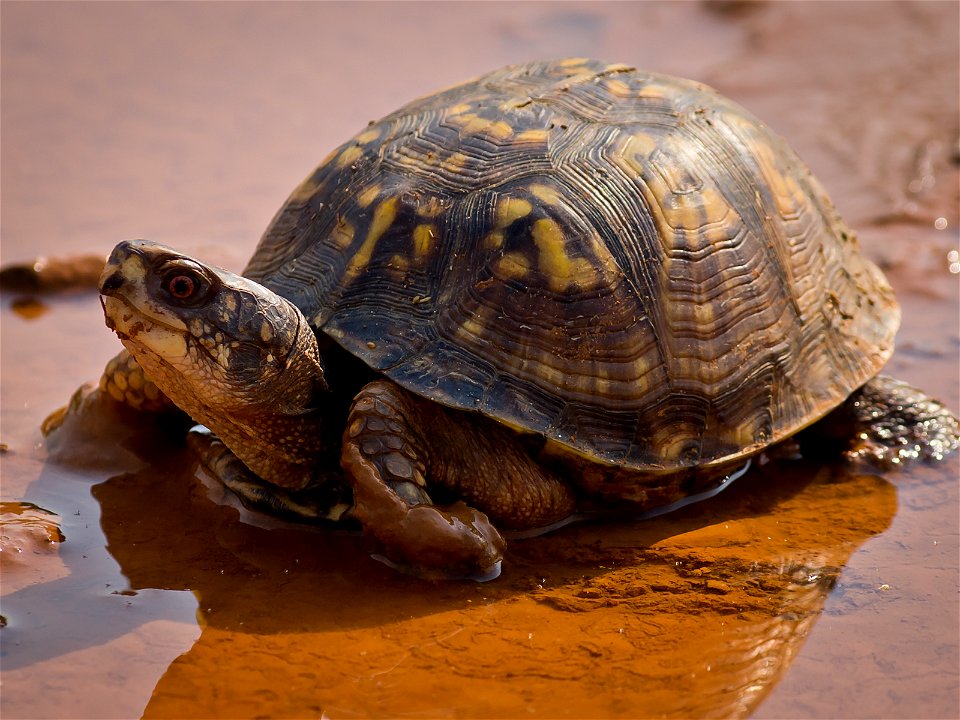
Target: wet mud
131	585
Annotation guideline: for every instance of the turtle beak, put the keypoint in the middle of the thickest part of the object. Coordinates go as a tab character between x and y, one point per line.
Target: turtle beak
126	263
125	291
111	280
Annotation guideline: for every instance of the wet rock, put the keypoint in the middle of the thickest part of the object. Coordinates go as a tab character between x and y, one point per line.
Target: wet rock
49	275
27	529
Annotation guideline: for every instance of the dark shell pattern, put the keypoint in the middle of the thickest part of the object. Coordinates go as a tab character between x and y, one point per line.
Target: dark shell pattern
624	262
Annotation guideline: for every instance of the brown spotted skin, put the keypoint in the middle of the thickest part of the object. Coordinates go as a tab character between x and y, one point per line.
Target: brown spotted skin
623	262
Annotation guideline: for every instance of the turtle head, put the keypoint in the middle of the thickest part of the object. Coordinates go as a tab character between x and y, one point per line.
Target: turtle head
235	356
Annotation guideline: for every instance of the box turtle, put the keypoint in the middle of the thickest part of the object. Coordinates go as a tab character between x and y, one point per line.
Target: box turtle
559	287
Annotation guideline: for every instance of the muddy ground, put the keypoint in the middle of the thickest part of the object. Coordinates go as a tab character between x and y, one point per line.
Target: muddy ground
803	591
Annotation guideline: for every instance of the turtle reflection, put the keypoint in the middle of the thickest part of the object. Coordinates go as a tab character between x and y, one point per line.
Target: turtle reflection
692	614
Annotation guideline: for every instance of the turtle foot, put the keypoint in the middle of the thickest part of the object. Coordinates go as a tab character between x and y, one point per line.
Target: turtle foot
453	541
896	423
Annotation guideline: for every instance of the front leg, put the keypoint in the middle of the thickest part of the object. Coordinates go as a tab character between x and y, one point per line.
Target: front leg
326	501
125	381
399	450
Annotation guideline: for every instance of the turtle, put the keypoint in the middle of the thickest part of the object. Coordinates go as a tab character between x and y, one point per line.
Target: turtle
559	287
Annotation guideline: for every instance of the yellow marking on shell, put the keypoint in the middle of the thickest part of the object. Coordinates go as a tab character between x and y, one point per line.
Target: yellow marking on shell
454	162
476	125
472	326
431	208
618	67
383	216
536	136
513	266
366	198
342	233
508	210
462	119
692	211
499	130
367	136
399	264
512	103
472	124
654	91
511	209
423	240
574	62
639	144
619	88
266	332
459	109
553	260
545	194
493	240
714	206
349	156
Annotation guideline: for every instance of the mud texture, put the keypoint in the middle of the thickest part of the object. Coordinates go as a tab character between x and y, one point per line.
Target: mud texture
805	590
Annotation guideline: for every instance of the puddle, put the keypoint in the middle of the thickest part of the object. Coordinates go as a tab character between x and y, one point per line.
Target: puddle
801	591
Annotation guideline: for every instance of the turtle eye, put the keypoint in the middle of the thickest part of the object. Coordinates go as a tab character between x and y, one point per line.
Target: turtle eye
185	283
182	287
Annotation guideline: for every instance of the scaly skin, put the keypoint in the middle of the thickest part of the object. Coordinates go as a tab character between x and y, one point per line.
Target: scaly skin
125	381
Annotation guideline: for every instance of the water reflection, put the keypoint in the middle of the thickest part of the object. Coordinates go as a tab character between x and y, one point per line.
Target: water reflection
694	614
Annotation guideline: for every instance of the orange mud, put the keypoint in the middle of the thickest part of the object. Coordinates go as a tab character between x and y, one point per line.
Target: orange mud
802	591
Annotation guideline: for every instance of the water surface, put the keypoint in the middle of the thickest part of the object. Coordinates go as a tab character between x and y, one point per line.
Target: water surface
803	591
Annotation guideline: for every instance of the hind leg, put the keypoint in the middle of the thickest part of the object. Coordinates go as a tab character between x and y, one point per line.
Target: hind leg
887	423
400	452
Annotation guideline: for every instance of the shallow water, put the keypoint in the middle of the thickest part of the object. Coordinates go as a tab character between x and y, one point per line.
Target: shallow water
802	591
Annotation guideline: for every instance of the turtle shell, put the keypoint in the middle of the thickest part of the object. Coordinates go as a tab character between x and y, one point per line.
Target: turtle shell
624	262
